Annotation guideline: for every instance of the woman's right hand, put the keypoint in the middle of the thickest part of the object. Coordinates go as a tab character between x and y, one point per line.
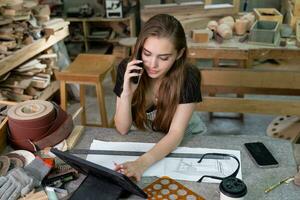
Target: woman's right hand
131	71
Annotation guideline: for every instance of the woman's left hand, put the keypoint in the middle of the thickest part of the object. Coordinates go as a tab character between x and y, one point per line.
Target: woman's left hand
133	169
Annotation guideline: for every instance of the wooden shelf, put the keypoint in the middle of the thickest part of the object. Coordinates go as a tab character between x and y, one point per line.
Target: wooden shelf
87	24
29	51
97	19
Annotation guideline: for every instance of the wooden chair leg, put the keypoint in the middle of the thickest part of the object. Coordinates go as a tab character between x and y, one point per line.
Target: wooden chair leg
211	114
63	95
113	75
101	103
82	104
241	115
216	62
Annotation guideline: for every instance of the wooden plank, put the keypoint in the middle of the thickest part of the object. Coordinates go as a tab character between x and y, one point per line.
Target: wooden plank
251	78
258	106
174	8
31	50
9	103
247	90
212	53
3	134
74	136
50	90
271	53
213	10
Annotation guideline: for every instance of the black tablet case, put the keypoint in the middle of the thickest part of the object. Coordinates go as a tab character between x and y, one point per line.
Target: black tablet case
101	182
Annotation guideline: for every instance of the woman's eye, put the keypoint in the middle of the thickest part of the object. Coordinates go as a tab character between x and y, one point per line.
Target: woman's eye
164	58
146	54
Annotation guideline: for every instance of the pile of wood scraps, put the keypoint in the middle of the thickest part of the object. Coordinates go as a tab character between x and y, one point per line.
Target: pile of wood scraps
224	28
21	23
28	80
14	9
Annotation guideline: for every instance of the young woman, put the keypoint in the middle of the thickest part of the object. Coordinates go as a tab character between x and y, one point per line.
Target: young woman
164	95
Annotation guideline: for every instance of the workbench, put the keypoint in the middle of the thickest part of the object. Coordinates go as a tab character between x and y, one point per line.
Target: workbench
244	52
256	179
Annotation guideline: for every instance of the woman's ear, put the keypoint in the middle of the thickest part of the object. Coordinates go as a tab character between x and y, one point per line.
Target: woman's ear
180	53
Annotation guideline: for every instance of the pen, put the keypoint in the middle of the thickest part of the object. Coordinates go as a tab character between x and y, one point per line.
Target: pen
272	187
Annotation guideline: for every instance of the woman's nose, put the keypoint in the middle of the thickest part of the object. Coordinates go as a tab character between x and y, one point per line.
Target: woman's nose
153	62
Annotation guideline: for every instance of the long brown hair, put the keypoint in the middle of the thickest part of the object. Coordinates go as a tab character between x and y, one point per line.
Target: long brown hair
161	26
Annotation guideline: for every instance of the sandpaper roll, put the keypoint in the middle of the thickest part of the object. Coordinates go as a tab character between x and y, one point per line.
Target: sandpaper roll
31	121
30	110
30	118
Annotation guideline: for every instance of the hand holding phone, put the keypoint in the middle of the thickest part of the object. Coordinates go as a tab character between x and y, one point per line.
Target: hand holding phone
259	153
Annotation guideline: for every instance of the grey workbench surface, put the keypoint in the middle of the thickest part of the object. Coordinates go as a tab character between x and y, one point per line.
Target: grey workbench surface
256	179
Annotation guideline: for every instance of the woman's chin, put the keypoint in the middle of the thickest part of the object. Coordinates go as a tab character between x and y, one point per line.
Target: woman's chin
153	75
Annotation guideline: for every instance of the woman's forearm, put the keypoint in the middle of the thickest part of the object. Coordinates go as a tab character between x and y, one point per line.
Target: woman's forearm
165	146
123	115
172	139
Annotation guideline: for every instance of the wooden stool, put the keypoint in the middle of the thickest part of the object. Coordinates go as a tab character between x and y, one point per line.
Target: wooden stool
87	69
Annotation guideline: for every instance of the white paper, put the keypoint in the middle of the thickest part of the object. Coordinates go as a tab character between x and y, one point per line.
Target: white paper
176	168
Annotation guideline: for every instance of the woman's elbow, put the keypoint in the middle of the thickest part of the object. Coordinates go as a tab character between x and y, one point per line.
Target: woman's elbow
120	128
122	131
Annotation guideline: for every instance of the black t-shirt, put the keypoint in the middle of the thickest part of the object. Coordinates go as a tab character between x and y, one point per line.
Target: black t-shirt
190	93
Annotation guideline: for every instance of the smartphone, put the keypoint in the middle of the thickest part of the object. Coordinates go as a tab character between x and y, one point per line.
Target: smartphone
259	153
135	79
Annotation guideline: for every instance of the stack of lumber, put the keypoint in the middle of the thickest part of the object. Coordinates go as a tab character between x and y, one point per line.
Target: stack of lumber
27	81
22	22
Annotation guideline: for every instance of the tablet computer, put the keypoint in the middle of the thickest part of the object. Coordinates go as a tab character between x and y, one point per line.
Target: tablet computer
101	173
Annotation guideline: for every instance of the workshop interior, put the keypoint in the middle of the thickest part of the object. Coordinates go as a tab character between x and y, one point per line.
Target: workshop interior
87	89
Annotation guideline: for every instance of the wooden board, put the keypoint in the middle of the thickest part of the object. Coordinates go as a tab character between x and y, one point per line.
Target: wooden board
211	10
250	78
240	105
74	136
3	134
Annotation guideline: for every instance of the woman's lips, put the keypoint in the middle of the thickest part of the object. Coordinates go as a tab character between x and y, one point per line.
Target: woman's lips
152	71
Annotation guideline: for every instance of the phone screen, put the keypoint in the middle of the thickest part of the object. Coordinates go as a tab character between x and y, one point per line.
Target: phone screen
261	155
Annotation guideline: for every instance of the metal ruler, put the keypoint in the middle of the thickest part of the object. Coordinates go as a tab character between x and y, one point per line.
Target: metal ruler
139	153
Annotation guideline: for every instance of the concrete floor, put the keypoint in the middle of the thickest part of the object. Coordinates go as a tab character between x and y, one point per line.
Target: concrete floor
221	123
